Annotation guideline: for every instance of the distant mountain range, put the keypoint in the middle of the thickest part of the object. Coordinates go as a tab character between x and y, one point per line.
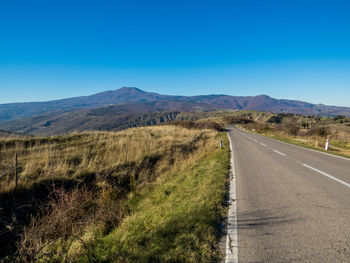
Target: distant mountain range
115	117
119	108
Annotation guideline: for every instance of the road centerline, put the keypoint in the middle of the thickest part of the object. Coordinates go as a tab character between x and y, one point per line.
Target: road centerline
327	175
279	152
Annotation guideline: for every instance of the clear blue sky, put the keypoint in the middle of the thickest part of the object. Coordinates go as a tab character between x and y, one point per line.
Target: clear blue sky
295	49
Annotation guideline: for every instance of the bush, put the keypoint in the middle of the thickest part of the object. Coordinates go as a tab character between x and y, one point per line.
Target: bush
237	120
275	119
198	125
65	217
292	128
339	117
209	125
319	131
258	127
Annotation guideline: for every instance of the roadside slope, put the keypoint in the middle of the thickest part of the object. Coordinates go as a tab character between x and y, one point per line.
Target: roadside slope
177	218
154	193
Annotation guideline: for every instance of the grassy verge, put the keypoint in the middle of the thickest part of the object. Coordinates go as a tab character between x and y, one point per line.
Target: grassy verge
174	219
299	143
75	189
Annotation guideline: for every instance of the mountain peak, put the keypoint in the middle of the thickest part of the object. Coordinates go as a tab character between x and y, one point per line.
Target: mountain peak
130	89
262	96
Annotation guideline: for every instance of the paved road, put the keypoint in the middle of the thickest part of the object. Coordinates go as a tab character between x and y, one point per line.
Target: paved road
293	204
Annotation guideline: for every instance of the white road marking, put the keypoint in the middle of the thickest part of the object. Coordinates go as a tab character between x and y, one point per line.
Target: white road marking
325	174
279	152
255	140
232	233
263	144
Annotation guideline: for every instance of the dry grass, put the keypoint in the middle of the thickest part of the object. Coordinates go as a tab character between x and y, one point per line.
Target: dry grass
174	219
67	156
108	165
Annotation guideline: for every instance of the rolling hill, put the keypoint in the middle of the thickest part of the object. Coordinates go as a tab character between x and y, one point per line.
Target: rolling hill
116	117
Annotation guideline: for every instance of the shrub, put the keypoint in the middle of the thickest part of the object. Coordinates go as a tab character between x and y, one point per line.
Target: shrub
198	125
65	217
237	120
275	119
258	127
322	131
292	128
339	117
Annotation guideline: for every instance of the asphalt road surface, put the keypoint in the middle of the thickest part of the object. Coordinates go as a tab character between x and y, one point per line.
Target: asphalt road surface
293	204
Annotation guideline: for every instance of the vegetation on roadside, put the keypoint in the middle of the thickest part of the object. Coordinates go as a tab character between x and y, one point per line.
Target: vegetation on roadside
174	219
307	131
111	118
153	193
203	124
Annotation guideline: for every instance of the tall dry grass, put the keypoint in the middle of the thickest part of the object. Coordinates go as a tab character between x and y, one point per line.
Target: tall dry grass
67	156
108	165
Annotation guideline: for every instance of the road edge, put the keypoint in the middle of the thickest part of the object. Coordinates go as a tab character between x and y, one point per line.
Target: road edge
231	255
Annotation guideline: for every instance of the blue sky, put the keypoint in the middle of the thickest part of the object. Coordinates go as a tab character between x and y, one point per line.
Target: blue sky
286	49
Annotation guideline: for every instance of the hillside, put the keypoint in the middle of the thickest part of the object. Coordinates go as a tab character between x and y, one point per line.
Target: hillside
137	195
125	95
117	117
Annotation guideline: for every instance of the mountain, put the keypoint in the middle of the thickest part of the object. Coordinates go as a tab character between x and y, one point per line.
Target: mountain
123	108
124	95
13	111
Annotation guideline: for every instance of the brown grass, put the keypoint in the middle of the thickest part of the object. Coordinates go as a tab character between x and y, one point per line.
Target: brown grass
69	183
67	156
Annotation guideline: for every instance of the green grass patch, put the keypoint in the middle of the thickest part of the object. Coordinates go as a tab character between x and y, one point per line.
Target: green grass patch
341	144
175	219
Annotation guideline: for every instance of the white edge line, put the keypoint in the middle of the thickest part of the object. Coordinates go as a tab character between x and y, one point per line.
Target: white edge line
263	144
231	255
327	175
279	152
333	155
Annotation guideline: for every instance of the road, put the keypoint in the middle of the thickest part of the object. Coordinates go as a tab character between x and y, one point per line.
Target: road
292	204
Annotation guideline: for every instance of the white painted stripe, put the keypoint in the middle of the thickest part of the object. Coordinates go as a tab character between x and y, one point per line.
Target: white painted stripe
325	174
263	144
232	233
279	152
255	140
